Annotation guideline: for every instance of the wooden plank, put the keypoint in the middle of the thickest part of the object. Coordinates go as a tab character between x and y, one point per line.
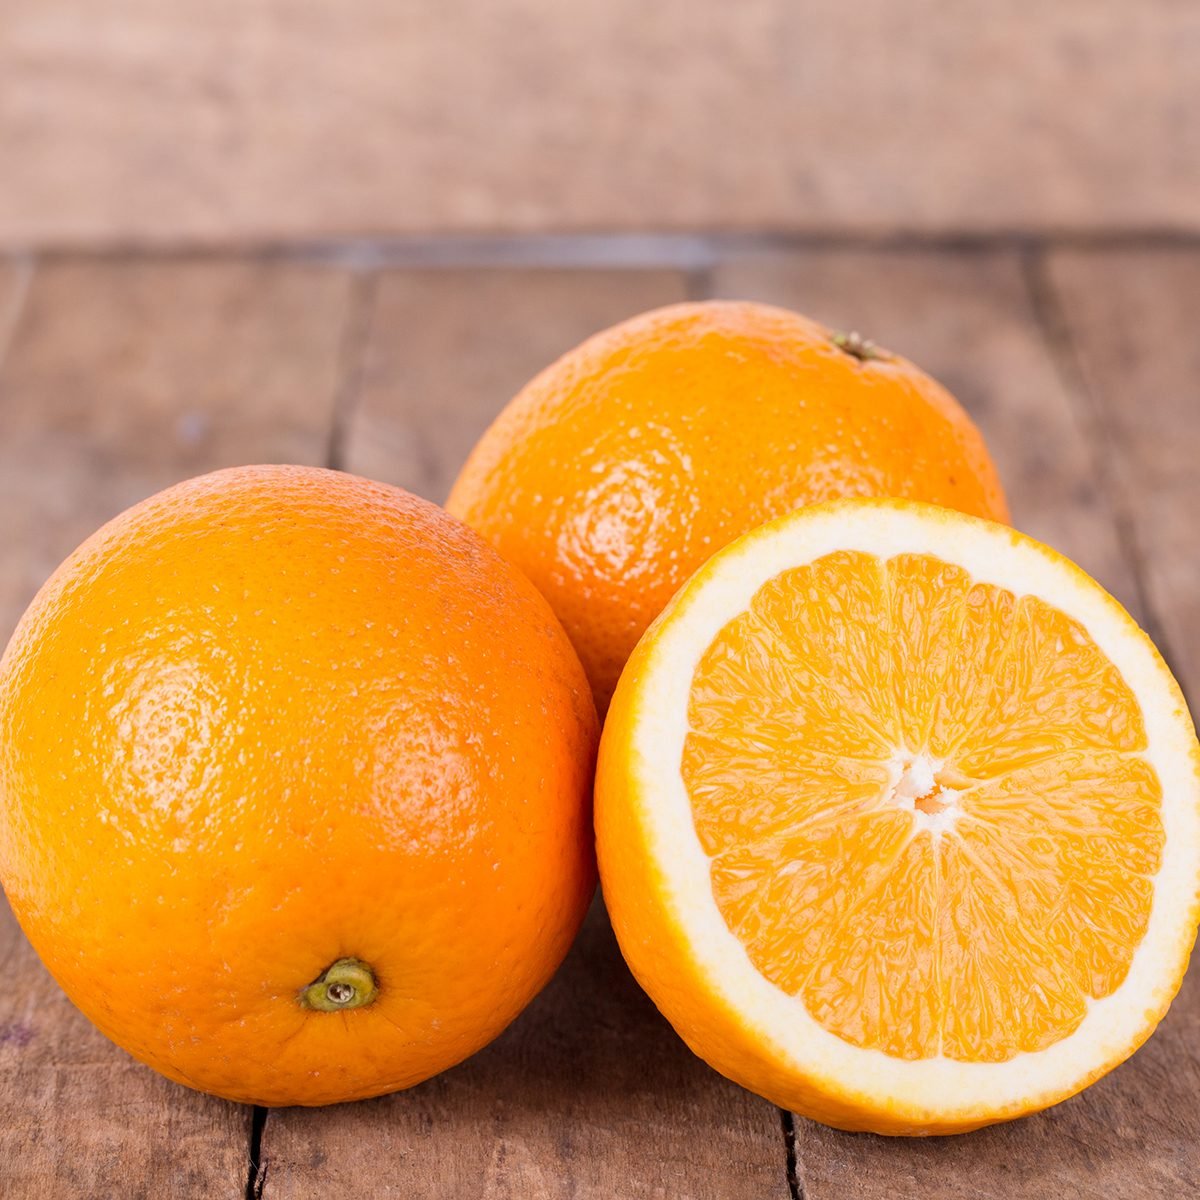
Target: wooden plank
121	379
1133	1135
590	1093
969	319
449	348
242	119
1130	318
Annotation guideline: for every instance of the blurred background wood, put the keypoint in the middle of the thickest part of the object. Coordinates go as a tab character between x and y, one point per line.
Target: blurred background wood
139	121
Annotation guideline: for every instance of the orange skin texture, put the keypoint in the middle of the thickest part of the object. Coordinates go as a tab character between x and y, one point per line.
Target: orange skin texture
271	718
625	465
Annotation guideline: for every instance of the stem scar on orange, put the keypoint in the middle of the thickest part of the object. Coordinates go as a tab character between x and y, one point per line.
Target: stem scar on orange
622	467
295	785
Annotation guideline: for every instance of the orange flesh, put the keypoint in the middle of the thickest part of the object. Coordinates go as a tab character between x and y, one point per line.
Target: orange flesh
924	804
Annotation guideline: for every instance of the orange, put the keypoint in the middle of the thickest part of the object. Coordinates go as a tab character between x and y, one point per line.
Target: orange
898	817
294	785
631	460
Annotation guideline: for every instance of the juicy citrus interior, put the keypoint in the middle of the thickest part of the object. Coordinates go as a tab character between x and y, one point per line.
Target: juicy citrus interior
924	805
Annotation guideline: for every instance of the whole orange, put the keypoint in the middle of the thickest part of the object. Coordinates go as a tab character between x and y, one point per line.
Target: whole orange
294	785
625	465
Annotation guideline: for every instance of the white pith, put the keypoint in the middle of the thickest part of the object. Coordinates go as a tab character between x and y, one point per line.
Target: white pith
913	778
992	555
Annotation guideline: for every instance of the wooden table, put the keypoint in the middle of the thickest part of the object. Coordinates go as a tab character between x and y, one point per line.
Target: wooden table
119	375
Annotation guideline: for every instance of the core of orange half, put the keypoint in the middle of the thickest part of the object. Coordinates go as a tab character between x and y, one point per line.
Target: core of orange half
898	816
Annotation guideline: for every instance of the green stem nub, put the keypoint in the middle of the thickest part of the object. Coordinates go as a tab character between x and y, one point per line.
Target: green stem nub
857	346
346	984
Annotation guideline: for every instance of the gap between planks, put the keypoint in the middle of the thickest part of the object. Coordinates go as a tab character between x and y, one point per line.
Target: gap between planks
795	1178
352	363
652	249
23	267
256	1171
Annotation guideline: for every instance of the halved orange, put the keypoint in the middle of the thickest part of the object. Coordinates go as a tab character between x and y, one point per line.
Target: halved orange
898	815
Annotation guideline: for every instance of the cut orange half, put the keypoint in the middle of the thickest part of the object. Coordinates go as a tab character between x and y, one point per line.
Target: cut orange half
898	815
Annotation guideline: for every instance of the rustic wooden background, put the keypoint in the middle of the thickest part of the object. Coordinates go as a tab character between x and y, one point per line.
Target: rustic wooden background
220	120
120	374
240	231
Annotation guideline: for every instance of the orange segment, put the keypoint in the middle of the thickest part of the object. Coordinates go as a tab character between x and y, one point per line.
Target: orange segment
923	804
876	980
1090	883
927	611
760	899
984	634
1050	689
738	782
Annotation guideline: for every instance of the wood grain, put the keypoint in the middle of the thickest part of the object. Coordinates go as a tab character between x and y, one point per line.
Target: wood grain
971	320
449	348
1130	321
1133	1135
239	119
589	1096
120	379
